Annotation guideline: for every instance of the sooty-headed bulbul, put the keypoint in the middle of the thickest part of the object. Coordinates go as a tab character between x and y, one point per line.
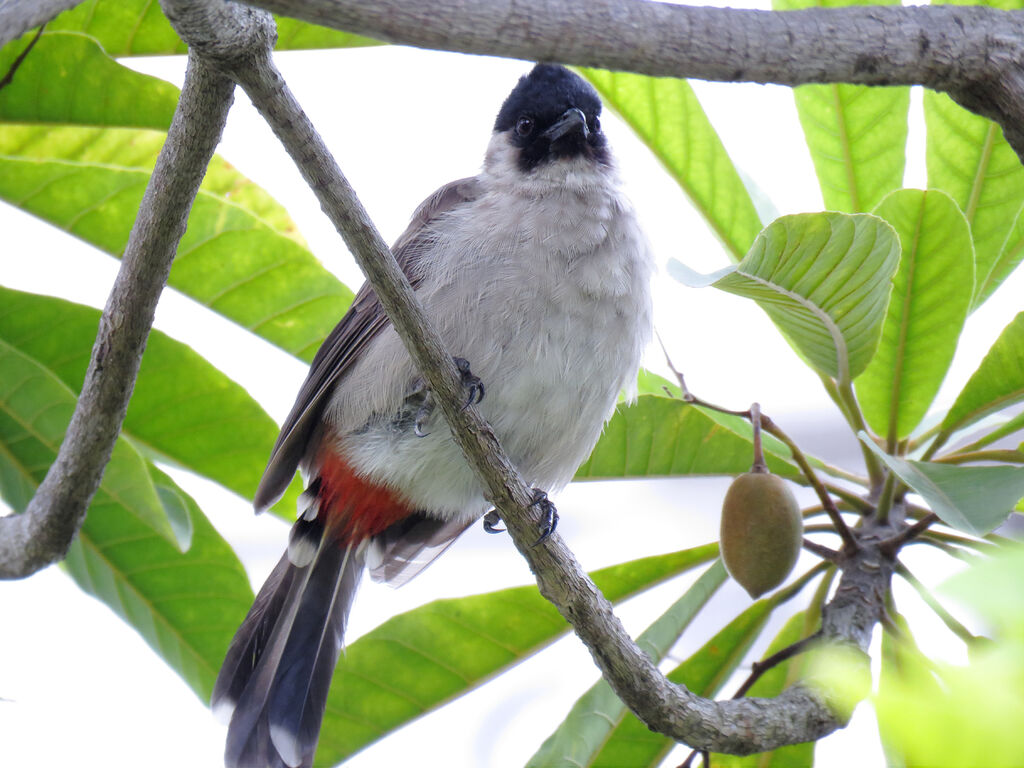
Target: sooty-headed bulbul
536	273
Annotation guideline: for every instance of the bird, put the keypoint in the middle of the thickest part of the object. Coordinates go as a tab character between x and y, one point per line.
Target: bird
536	273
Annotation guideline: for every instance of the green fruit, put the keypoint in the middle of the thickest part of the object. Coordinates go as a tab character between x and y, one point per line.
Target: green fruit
762	531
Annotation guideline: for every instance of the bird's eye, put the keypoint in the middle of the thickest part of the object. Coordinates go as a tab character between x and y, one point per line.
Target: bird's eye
524	126
597	124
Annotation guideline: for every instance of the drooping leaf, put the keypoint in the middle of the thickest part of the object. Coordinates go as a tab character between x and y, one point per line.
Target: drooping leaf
997	383
186	606
971	499
139	28
667	117
68	78
932	291
35	409
417	661
183	409
769	685
661	436
902	665
968	158
90	182
823	278
579	737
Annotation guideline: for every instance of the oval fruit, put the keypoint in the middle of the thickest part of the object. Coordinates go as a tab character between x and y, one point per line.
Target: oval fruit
762	531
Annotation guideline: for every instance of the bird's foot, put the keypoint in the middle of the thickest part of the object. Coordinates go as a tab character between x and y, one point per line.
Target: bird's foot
472	384
491	521
550	520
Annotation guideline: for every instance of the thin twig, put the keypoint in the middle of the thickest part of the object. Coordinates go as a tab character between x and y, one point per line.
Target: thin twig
9	77
826	553
769	426
892	545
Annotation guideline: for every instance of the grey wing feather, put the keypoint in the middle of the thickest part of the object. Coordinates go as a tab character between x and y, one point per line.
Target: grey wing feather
363	321
410	545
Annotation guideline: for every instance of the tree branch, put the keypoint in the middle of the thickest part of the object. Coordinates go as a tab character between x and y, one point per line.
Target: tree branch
42	534
741	726
974	54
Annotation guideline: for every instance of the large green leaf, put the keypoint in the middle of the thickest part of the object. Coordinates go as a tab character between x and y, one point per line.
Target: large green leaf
186	606
583	733
931	296
662	436
416	662
35	409
971	499
856	134
997	383
771	684
68	78
183	409
823	278
667	117
968	157
90	182
139	28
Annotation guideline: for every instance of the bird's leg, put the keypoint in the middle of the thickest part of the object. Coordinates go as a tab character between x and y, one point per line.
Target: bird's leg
472	384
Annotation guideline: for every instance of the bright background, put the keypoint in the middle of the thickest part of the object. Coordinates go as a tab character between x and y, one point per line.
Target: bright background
77	687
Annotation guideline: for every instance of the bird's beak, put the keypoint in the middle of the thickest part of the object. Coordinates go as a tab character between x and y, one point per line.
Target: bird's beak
572	120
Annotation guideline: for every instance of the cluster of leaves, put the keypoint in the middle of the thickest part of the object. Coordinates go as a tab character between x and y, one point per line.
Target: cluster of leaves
873	297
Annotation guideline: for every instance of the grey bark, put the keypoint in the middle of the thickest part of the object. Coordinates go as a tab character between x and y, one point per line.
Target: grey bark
19	16
42	534
975	54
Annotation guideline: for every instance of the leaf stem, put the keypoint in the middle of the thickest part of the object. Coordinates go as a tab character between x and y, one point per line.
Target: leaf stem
885	498
855	418
947	618
1012	456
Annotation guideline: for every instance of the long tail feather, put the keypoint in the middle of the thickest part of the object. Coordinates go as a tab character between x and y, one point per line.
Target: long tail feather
278	669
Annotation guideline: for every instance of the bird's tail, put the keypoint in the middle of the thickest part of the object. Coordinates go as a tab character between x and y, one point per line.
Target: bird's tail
278	669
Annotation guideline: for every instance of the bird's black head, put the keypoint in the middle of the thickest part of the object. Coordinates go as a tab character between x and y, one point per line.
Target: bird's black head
553	113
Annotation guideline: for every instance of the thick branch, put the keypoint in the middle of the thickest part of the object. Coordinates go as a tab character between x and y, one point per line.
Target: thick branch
42	534
975	54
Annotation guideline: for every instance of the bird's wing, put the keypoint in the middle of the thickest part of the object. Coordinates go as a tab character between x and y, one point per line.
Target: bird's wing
363	321
410	545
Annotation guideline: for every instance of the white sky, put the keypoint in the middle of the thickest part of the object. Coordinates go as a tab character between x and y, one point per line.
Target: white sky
79	688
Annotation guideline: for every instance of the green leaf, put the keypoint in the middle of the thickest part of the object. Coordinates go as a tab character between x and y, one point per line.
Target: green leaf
183	409
417	661
667	117
186	606
769	685
968	158
661	436
971	499
931	296
595	714
856	134
69	78
176	504
35	409
139	28
997	383
90	183
824	279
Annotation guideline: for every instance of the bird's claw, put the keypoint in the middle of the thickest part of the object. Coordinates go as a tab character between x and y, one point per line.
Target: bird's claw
550	520
423	413
474	387
491	521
